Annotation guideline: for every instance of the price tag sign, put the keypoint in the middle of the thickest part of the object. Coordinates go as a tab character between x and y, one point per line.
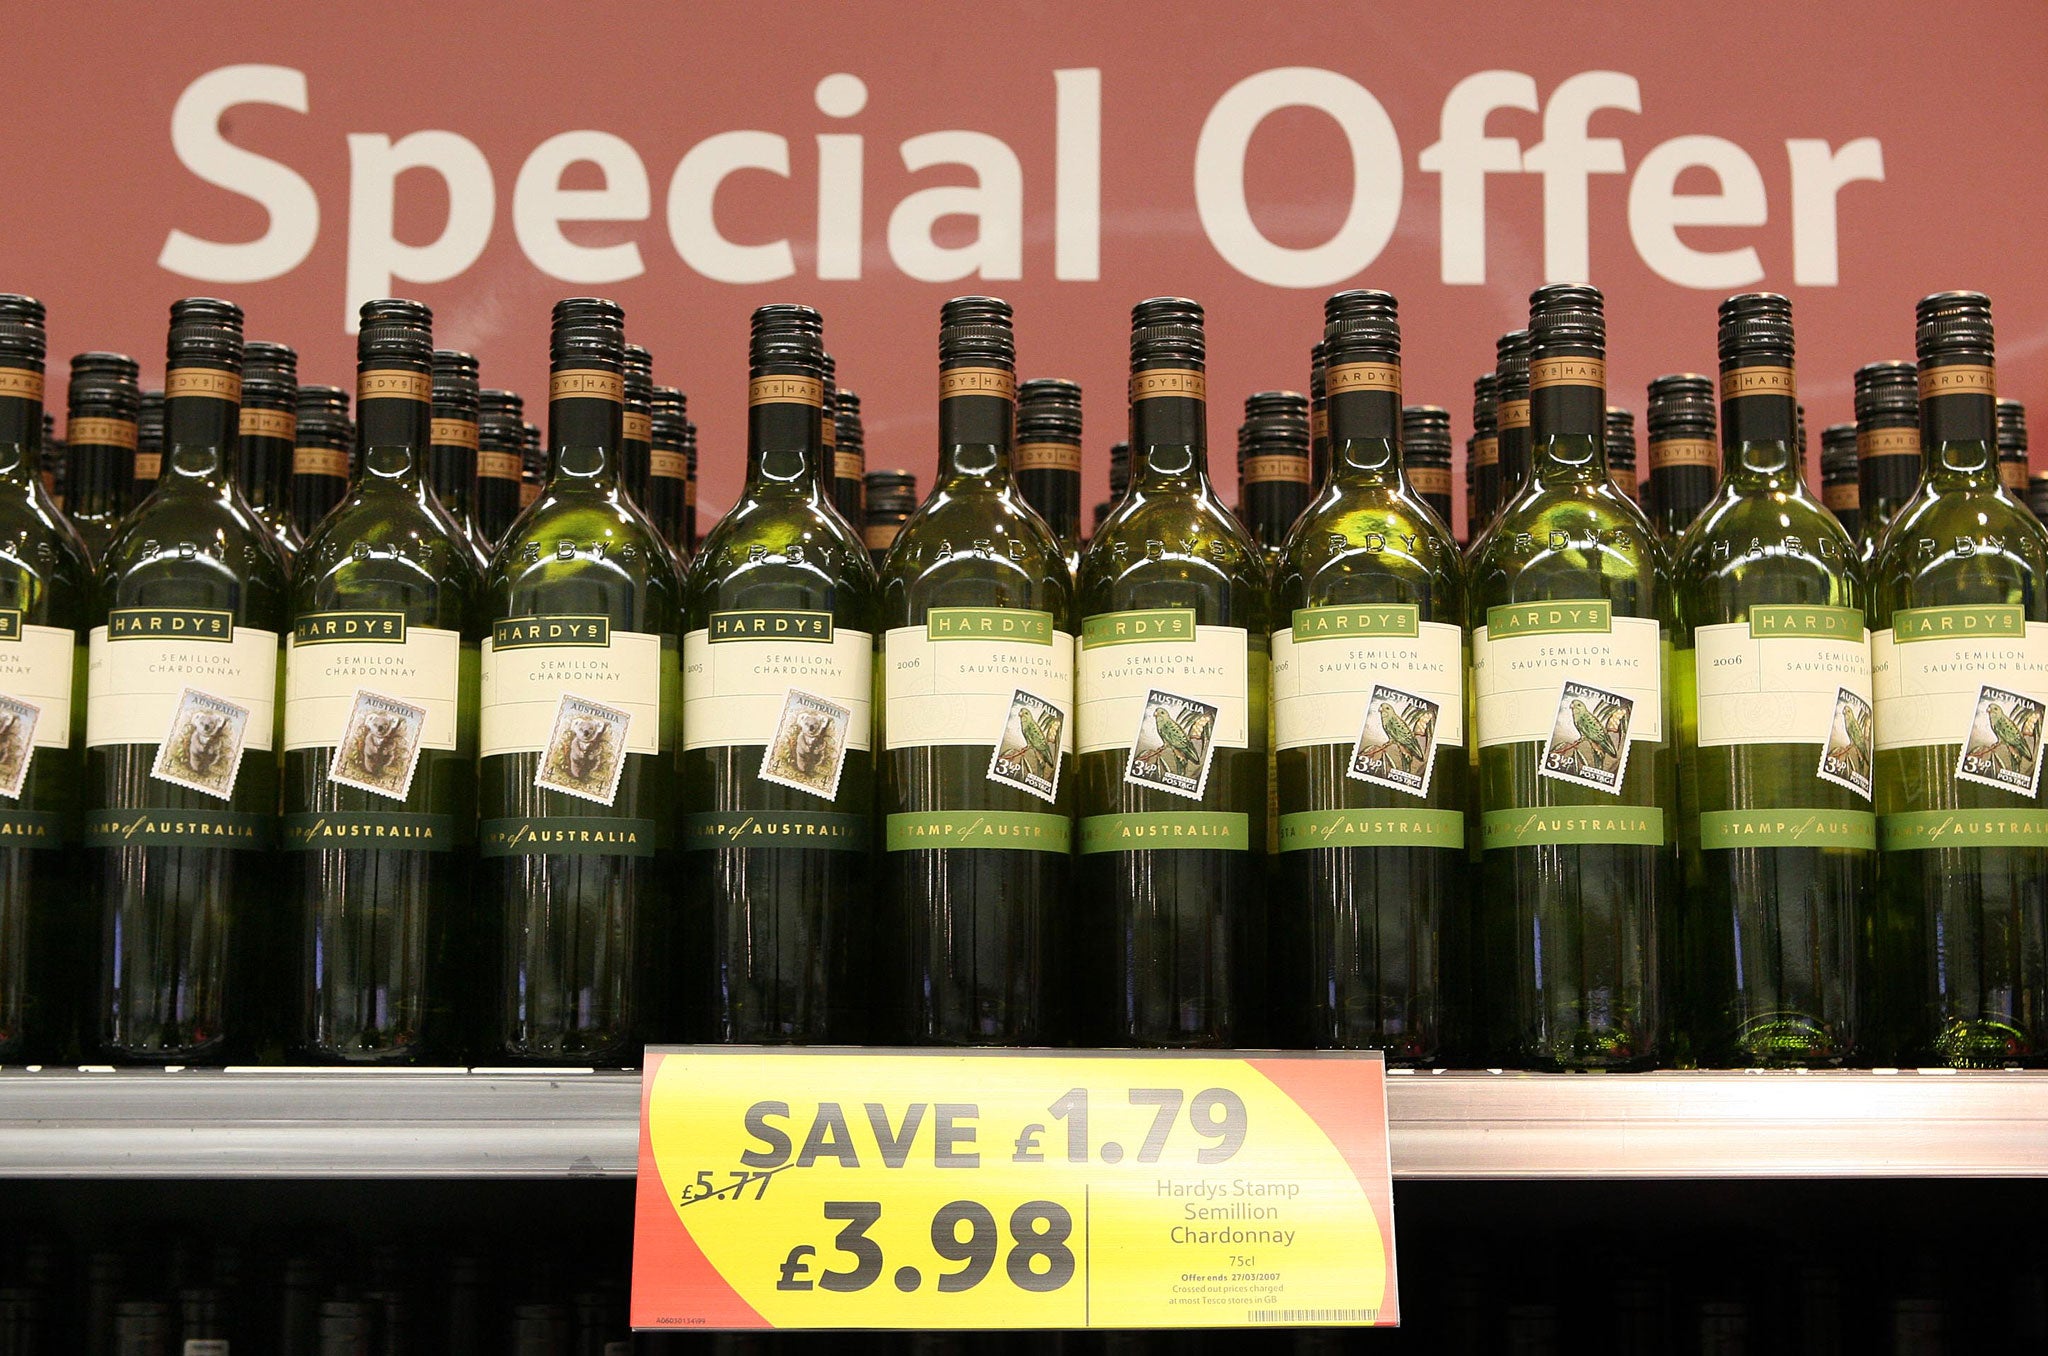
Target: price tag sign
948	1189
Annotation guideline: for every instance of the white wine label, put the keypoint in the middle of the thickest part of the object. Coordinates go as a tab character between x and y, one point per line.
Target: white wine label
18	721
1930	674
36	667
1589	738
1527	652
1128	656
139	666
808	749
1328	664
586	750
531	663
1174	744
954	679
202	748
739	672
1027	757
380	746
2003	745
332	657
1780	678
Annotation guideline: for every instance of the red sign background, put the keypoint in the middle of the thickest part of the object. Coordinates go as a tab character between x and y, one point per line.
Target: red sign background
1953	97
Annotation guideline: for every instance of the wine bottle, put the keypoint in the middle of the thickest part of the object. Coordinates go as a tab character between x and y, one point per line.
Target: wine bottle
1272	467
890	498
1839	487
266	451
380	727
500	433
101	436
50	462
1048	458
1772	684
1621	450
1483	454
45	590
1426	455
578	730
1571	612
1887	444
149	445
777	762
1369	718
1683	455
1959	651
668	467
533	465
1318	416
636	439
320	461
1171	706
688	547
977	722
181	715
452	452
849	467
2012	448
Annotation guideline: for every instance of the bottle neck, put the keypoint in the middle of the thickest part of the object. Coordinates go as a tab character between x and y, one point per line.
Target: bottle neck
1511	441
1759	427
1170	431
392	430
1365	436
201	432
21	440
1959	425
977	426
785	435
584	437
1567	418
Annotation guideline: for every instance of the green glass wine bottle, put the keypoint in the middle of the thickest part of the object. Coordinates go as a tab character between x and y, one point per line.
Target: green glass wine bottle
778	729
101	434
380	728
977	670
1369	717
668	467
181	716
1772	692
533	466
849	467
890	498
1959	660
320	468
1621	451
2012	448
1171	707
579	705
1840	489
688	546
1682	454
1048	457
45	591
452	451
1272	467
1426	456
1483	454
149	446
1887	444
266	448
500	427
636	439
1571	611
1318	417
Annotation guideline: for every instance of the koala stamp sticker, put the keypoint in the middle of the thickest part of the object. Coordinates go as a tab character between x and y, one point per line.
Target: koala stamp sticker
1588	743
1171	751
2003	745
17	743
586	751
1027	756
380	745
202	751
809	746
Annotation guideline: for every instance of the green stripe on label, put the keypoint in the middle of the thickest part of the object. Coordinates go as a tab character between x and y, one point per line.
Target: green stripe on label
1206	830
1571	825
521	633
1371	828
170	623
817	830
1019	830
1018	625
1132	628
1917	830
1783	621
376	830
233	830
568	836
31	829
1342	623
779	624
335	628
1788	828
1542	619
1990	621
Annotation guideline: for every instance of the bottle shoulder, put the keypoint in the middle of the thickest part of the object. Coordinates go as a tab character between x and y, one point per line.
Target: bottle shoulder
184	549
974	550
1752	547
791	553
1572	541
1962	547
1175	545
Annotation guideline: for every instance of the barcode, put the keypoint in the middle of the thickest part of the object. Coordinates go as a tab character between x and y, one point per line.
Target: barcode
1315	1315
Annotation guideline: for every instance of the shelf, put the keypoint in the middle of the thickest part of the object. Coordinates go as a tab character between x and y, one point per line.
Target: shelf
1448	1126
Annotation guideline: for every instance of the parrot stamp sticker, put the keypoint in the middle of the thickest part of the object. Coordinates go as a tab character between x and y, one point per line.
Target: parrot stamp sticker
1396	748
1027	755
17	743
202	751
2002	747
380	745
1846	758
1588	743
586	751
1174	745
809	747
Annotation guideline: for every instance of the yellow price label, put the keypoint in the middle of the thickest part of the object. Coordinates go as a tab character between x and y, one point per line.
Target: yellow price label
902	1189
